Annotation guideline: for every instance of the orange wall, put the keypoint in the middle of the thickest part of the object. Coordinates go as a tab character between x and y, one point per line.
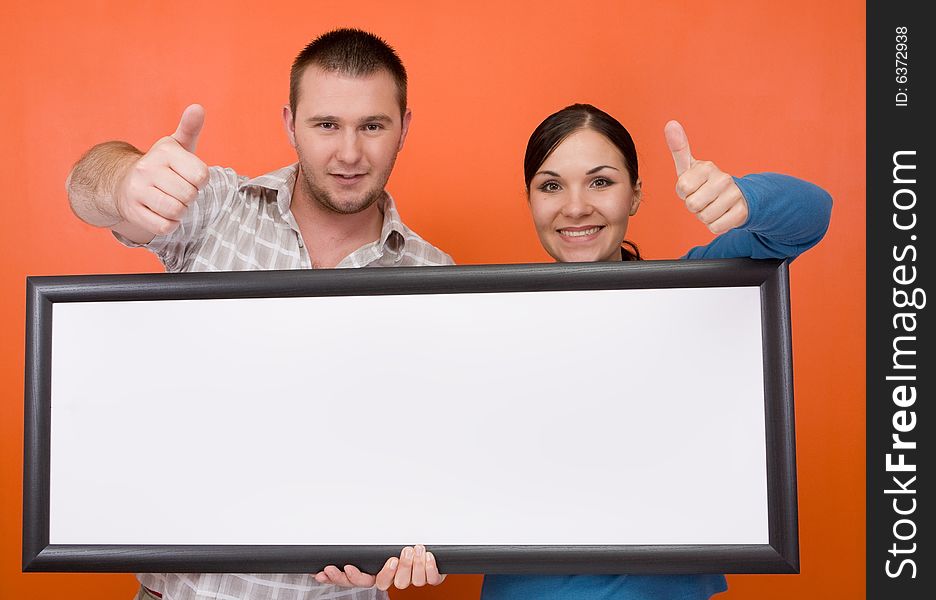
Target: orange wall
759	86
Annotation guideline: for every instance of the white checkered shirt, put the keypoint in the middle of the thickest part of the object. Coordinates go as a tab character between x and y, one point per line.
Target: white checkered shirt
241	224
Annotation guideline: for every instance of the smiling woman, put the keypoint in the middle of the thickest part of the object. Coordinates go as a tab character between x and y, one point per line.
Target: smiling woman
583	187
581	176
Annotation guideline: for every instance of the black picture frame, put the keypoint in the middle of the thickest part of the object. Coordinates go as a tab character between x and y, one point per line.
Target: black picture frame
780	555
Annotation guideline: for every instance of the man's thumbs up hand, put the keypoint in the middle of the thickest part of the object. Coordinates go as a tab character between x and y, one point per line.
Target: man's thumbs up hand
190	126
158	188
709	193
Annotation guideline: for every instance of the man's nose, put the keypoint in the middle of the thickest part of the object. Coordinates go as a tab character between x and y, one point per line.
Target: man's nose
576	205
349	148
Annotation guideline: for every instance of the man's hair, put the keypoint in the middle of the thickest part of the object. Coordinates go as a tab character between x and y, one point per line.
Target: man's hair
349	52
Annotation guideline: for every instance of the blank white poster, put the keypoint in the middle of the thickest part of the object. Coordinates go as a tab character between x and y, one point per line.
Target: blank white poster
573	417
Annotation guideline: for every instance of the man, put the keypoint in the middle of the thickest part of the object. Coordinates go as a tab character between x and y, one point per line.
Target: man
347	118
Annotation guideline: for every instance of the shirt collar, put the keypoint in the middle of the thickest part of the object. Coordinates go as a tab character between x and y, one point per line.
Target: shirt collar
282	181
392	235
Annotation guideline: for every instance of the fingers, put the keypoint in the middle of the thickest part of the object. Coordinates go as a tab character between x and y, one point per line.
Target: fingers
189	167
734	217
433	577
141	215
415	567
334	576
359	578
165	180
387	573
701	185
678	143
178	188
711	194
419	566
350	577
404	570
190	126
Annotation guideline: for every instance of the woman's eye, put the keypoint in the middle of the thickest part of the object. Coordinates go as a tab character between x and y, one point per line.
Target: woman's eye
601	182
550	186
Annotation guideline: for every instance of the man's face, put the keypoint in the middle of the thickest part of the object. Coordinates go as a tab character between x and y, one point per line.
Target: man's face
347	132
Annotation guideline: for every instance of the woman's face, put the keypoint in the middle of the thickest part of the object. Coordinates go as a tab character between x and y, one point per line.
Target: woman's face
581	198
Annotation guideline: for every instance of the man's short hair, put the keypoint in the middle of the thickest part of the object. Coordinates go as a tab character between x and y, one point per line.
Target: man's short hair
349	52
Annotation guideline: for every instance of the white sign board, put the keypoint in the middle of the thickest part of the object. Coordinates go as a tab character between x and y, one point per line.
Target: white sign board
623	418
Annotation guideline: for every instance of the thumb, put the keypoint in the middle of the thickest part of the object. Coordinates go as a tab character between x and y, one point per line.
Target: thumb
678	144
190	126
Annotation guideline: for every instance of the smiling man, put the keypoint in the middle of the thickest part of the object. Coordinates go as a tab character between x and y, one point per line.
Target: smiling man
347	118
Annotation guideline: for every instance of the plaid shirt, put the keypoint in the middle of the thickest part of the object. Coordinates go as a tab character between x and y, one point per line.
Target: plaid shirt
241	224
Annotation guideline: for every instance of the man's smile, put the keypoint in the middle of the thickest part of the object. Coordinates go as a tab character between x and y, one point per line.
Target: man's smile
348	179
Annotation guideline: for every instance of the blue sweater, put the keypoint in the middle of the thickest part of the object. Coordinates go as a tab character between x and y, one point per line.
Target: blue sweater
786	217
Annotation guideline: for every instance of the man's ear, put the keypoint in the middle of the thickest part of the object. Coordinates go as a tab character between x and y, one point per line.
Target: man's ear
290	124
405	129
636	202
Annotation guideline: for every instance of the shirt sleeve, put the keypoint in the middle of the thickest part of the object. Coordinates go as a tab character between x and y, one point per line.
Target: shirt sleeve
171	248
786	217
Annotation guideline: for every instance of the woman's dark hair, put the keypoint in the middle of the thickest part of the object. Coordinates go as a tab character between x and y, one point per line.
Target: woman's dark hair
560	125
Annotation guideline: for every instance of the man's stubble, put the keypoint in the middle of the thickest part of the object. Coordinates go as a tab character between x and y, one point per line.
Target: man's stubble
325	199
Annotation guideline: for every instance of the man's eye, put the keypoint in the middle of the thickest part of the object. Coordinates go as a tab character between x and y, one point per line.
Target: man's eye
373	127
327	126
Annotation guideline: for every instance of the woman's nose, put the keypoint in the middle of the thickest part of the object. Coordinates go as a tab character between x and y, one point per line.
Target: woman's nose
576	205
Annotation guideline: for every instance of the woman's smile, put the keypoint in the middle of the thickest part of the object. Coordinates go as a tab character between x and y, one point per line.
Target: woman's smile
579	235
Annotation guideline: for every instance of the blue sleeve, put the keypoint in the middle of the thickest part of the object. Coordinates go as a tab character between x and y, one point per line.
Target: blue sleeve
786	217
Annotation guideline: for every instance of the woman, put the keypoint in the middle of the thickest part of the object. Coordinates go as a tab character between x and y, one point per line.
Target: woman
583	186
581	172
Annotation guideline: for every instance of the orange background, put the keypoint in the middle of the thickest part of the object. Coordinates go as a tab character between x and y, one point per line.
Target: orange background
775	86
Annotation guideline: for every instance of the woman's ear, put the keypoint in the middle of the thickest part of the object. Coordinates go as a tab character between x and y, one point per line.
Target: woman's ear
635	203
